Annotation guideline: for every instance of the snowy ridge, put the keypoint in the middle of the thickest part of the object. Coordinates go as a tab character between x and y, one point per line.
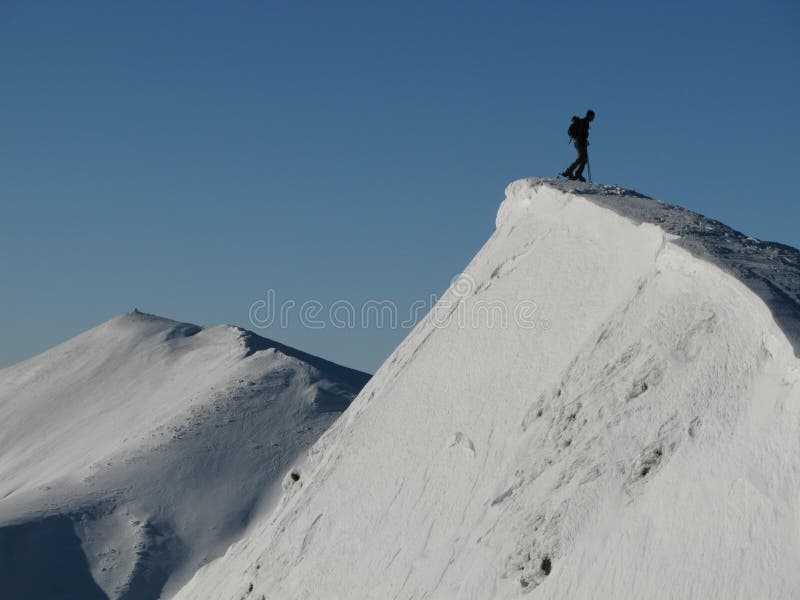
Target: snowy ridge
639	441
769	269
135	452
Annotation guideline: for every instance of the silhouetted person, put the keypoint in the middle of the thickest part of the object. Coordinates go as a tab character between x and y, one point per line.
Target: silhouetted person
579	132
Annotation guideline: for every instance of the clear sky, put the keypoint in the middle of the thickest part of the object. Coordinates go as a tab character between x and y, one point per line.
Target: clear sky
186	157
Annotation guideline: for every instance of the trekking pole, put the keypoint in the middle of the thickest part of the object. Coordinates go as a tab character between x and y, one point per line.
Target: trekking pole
589	166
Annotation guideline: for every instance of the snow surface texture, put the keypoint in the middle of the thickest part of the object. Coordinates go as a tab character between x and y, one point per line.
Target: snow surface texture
640	442
137	451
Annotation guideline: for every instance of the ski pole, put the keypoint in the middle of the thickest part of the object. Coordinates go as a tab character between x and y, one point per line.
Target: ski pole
589	166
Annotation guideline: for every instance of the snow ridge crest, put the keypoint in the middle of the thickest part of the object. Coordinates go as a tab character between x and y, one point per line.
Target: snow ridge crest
771	270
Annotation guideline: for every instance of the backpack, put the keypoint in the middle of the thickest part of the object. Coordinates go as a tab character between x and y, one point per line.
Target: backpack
572	131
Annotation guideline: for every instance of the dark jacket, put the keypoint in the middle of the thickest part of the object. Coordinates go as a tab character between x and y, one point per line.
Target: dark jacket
582	131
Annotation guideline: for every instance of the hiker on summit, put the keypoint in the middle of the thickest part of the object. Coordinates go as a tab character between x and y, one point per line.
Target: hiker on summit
579	134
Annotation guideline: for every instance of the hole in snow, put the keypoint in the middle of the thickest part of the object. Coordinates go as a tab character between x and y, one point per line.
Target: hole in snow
639	388
295	476
694	427
652	461
546	565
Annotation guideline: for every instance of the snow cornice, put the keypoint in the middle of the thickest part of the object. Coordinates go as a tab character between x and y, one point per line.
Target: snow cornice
771	270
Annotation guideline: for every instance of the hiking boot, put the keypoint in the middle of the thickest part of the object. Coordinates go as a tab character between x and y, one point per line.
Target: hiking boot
579	178
567	174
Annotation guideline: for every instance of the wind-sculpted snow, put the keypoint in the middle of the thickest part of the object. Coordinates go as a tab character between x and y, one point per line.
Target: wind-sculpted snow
769	269
134	453
638	438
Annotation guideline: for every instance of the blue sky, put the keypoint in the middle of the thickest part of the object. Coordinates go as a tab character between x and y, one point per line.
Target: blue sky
184	158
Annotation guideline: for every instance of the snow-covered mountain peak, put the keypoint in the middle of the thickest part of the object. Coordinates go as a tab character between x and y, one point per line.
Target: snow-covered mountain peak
136	451
604	405
137	323
521	194
771	270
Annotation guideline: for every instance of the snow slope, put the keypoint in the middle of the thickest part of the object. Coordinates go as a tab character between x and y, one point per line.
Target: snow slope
137	451
634	436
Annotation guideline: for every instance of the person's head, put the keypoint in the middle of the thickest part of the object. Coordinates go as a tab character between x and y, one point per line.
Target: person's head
590	115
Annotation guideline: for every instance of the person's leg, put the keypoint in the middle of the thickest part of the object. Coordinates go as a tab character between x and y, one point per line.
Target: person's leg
583	158
575	163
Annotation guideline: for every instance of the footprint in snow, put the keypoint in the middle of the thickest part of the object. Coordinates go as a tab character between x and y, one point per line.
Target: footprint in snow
459	439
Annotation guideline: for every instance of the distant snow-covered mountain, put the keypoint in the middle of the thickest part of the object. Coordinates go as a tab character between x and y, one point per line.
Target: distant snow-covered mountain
139	450
631	430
